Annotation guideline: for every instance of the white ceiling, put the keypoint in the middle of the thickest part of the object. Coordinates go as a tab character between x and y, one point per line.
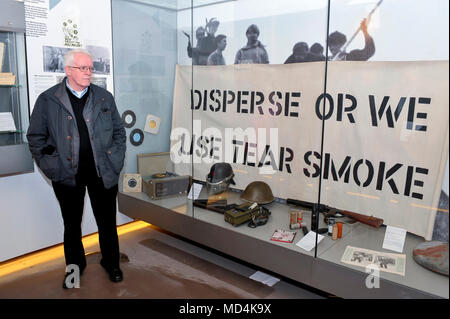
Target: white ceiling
178	4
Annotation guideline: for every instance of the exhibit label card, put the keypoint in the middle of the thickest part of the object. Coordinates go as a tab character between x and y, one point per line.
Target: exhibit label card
195	191
308	242
394	238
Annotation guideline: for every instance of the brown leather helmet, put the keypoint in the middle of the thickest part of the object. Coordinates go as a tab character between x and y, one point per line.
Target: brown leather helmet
258	192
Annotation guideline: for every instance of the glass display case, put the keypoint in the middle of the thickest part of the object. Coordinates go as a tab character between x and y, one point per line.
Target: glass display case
315	134
382	166
14	111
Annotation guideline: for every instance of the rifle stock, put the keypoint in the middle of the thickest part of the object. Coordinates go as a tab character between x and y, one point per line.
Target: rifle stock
368	220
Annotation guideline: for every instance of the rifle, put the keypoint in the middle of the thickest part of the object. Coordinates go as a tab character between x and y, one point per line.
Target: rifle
368	220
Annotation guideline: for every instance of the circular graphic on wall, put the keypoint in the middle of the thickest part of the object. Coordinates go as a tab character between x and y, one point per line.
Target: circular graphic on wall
128	118
137	137
132	183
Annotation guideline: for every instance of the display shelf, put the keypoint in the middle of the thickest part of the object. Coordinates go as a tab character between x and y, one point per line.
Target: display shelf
325	272
11	86
11	138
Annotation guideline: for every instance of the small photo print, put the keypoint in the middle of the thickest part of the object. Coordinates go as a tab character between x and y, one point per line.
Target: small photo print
387	262
361	257
100	81
54	58
101	57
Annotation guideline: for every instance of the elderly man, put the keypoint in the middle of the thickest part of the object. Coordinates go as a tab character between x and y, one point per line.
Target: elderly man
78	140
254	51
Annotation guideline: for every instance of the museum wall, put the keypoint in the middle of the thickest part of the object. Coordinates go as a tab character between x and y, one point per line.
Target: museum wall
30	217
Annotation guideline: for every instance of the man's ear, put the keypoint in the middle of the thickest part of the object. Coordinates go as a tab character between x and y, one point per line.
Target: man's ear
68	70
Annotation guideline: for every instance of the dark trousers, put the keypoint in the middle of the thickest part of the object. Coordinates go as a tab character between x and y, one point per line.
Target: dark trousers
103	202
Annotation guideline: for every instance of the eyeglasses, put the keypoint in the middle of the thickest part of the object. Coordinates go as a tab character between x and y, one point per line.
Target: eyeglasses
84	68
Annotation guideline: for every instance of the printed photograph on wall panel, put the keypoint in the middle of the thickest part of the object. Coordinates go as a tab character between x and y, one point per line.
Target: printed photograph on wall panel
257	68
385	154
55	27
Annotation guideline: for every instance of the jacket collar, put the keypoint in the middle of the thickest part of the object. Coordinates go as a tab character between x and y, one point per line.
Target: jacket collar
63	97
78	94
61	94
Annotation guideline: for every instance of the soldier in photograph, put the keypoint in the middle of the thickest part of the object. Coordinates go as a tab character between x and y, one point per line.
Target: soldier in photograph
208	44
299	53
315	53
194	53
337	40
254	51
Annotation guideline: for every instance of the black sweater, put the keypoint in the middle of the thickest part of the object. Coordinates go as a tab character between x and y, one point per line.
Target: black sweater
86	163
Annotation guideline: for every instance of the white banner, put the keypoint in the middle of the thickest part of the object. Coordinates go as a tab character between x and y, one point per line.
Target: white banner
55	27
385	135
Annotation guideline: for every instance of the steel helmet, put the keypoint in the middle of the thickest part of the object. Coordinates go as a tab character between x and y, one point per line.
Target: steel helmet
219	178
258	192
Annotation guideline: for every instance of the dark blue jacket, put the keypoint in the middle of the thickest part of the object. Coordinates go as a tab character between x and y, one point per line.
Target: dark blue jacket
53	123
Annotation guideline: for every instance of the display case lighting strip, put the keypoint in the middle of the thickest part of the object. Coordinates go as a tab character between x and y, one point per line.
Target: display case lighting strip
55	252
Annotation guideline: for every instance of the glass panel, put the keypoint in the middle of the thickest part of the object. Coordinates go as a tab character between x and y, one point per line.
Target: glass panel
145	57
253	107
385	149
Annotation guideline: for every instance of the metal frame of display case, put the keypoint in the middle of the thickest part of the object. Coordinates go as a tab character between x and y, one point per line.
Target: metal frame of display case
15	157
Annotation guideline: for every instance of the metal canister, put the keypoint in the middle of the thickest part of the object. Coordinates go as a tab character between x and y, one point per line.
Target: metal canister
335	232
299	217
331	222
339	234
293	217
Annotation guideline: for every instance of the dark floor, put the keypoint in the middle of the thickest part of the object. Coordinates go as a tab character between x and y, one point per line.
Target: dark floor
159	266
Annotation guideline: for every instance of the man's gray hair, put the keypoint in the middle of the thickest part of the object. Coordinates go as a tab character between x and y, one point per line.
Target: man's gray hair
70	56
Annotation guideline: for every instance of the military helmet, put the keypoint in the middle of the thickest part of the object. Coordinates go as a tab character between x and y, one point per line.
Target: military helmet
219	178
258	192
